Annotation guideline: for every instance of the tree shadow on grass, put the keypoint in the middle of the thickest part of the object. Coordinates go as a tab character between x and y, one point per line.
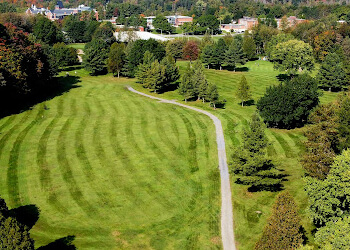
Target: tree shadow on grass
242	69
247	103
171	87
65	243
15	104
27	215
283	77
71	68
271	188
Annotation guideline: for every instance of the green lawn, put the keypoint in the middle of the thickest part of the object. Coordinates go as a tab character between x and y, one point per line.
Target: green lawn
286	147
114	169
77	45
118	170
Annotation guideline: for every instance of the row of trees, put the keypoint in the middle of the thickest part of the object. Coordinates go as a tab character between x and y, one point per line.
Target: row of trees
157	76
195	85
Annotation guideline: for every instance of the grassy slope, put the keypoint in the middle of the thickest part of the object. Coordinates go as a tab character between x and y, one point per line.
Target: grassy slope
114	169
285	149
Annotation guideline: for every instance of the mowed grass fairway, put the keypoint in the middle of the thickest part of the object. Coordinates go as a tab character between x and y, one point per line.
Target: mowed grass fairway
285	149
114	169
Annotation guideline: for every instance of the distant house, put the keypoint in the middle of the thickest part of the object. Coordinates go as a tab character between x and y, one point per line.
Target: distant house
173	20
247	23
292	21
59	12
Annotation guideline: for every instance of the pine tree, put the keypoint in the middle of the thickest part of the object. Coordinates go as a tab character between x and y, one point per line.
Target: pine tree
156	77
243	90
283	226
143	69
237	45
230	57
207	55
186	86
212	94
171	70
95	57
332	74
220	51
198	78
250	162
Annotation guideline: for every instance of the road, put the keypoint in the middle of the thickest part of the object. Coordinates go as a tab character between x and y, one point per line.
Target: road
227	234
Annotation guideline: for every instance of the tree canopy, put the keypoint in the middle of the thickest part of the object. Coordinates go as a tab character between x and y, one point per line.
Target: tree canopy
331	74
161	23
95	57
292	56
283	226
288	104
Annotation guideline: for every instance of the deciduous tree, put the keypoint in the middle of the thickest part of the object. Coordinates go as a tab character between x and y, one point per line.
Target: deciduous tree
116	58
243	90
283	226
292	56
191	51
329	199
288	105
161	23
322	141
175	48
249	47
46	31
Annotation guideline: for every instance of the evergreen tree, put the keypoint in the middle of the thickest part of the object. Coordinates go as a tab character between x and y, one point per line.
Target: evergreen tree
198	78
186	87
237	45
95	57
243	90
230	57
283	226
220	51
212	94
156	77
207	55
116	58
143	69
250	162
171	70
332	74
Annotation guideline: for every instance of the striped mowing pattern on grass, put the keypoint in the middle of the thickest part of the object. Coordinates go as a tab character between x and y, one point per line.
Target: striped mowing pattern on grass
285	149
115	170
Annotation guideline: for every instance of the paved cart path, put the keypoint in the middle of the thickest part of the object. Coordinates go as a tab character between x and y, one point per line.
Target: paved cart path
227	235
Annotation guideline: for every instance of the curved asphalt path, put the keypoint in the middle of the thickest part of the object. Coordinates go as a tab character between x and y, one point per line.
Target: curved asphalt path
227	234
